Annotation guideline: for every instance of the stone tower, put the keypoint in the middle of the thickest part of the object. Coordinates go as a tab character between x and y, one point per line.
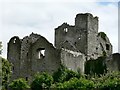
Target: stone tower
82	37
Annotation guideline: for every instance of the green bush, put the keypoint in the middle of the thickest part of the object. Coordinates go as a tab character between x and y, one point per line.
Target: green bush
71	74
40	81
64	74
19	84
109	81
6	72
75	83
59	75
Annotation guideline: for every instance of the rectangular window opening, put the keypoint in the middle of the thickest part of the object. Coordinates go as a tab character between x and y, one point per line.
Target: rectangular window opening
41	53
107	47
26	78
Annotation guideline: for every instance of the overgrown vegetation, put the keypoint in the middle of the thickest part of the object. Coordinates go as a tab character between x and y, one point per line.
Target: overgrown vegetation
40	81
19	84
96	67
64	74
104	53
103	35
63	80
110	81
6	72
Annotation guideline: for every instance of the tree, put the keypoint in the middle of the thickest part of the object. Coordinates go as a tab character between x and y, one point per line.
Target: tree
19	84
6	72
40	81
5	69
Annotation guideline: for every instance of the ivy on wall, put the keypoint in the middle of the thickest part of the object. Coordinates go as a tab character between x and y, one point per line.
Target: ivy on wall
103	35
97	66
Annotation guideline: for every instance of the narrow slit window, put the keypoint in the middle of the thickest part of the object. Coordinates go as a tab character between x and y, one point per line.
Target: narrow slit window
13	68
39	54
75	43
26	78
107	47
96	48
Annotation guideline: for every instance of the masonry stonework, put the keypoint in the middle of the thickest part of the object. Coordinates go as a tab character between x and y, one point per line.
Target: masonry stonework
74	45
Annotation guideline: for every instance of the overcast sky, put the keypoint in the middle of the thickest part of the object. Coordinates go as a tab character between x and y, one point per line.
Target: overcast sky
22	17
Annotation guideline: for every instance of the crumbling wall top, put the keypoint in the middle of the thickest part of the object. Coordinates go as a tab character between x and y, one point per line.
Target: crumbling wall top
86	14
14	39
64	25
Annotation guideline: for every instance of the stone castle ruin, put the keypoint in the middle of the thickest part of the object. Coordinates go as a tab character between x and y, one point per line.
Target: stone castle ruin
74	46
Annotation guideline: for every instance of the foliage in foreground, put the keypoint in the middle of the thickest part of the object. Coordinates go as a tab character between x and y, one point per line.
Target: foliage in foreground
75	83
68	80
40	81
6	72
109	81
63	74
19	84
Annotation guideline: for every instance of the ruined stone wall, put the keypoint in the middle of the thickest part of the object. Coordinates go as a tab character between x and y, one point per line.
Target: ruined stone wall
73	60
113	64
65	33
49	62
25	63
92	31
26	55
13	55
104	45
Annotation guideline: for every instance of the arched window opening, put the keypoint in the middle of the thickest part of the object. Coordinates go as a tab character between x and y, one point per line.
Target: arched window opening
41	53
14	41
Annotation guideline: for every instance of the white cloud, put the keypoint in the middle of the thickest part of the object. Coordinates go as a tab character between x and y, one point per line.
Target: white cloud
21	18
